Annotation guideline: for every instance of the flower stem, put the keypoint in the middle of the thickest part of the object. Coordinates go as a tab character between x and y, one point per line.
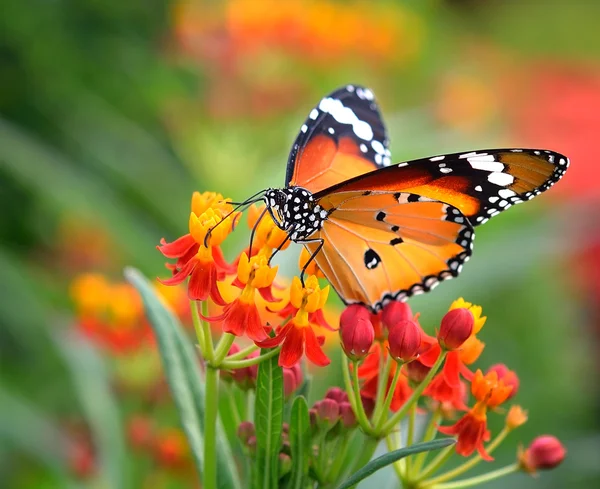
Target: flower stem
469	464
361	416
243	353
385	365
348	383
414	396
222	348
248	362
480	479
388	400
397	464
210	431
198	326
410	436
429	435
441	458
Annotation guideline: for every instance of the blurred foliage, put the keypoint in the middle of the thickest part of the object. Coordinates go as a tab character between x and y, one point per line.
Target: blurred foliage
112	113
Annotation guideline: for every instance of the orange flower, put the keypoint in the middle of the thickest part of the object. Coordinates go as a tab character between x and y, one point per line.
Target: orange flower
241	316
297	336
111	315
198	254
471	429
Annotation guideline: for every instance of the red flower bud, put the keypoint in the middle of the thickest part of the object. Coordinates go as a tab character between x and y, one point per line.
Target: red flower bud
456	328
347	415
140	432
245	431
404	340
356	331
394	312
507	376
545	452
336	394
292	379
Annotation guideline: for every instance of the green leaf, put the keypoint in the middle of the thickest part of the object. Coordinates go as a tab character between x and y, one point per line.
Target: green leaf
33	432
92	383
300	443
268	420
185	380
391	457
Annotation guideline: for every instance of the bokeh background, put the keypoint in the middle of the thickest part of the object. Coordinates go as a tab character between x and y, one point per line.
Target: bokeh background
113	112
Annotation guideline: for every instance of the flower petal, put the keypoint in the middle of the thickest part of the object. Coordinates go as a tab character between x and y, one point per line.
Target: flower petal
313	350
292	348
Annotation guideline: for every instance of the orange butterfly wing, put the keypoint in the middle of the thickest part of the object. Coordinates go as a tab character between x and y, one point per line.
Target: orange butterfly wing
343	136
480	184
381	246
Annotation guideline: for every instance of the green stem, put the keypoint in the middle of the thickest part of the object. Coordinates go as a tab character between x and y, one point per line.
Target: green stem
385	365
414	396
243	353
365	455
361	416
210	428
248	362
480	479
410	436
436	463
348	383
397	465
469	464
198	327
222	348
429	435
388	401
339	458
235	412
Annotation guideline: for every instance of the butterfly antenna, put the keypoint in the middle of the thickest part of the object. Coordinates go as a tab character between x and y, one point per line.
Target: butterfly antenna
262	214
257	197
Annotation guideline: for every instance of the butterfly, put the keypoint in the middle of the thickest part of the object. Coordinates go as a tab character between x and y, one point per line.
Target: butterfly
381	231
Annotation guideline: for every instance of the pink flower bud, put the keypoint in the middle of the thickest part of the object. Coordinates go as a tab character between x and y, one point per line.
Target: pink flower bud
404	340
356	331
328	411
394	312
347	415
285	464
507	376
545	452
336	394
245	431
456	328
292	379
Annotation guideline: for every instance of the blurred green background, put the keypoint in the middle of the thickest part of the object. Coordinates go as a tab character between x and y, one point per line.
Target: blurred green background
113	112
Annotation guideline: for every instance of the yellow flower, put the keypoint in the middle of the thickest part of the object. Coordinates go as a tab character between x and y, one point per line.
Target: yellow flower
516	417
475	310
311	297
256	271
313	268
207	221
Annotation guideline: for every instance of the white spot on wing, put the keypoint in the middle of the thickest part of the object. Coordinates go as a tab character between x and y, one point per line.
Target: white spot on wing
345	115
314	114
501	179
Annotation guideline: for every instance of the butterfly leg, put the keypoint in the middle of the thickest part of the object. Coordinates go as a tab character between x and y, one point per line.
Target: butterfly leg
321	242
278	249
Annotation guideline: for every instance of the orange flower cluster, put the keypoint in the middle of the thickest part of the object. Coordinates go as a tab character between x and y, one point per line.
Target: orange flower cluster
371	31
198	256
112	315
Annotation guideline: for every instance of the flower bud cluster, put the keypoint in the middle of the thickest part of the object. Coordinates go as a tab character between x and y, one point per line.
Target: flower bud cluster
333	412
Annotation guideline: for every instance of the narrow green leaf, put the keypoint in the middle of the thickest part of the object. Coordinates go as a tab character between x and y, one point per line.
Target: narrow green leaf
268	420
30	430
185	380
391	457
92	383
300	443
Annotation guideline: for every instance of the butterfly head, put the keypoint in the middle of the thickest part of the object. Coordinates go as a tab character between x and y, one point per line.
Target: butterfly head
294	210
